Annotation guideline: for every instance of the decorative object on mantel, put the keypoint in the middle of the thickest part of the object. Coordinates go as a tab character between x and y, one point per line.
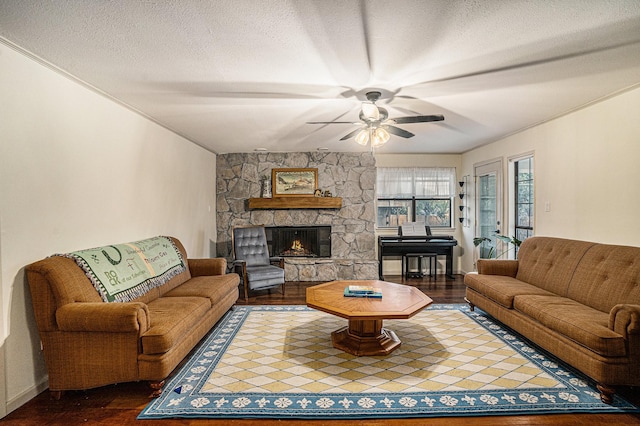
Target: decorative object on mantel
294	182
266	186
317	192
327	194
308	202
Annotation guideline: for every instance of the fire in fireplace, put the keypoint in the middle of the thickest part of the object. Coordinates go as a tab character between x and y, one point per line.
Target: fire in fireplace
299	241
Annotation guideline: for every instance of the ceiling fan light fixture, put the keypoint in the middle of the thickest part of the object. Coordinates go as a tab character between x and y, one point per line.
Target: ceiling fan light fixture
380	137
362	138
375	124
370	111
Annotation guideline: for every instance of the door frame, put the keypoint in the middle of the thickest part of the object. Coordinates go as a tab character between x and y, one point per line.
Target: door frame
495	165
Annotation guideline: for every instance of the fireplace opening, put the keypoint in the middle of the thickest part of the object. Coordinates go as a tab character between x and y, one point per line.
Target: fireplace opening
299	241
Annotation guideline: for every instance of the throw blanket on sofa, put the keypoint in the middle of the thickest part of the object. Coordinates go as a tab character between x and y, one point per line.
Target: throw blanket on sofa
123	272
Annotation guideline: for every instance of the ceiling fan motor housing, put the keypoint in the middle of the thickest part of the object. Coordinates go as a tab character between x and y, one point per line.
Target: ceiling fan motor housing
373	96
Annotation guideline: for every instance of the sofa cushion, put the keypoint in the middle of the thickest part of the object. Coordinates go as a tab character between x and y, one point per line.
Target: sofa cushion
549	263
606	276
172	318
212	287
261	276
582	324
501	289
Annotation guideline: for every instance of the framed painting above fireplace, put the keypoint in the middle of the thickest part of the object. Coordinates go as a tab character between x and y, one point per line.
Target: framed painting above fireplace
294	182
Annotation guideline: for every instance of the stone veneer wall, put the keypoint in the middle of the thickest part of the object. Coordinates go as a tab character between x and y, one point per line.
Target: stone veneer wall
351	176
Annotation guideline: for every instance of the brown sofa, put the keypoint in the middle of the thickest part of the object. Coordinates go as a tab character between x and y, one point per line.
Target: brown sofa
90	343
578	300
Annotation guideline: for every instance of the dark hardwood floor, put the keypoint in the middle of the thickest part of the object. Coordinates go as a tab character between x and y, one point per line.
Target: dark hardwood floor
120	404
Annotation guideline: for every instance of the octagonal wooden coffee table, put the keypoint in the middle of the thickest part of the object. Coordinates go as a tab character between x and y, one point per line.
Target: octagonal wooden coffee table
365	336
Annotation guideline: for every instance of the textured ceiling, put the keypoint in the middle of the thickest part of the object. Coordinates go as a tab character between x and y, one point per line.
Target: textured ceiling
237	75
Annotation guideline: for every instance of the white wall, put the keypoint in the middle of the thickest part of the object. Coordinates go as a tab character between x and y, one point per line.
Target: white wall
587	166
78	170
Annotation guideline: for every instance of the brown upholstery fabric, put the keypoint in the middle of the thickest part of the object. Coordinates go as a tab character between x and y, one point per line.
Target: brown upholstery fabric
205	286
100	316
501	289
624	319
199	267
83	360
606	370
607	275
587	310
171	319
508	268
549	263
89	343
77	287
584	325
159	366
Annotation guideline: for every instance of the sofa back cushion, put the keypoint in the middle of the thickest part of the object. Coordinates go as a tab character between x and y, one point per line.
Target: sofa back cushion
124	272
607	275
550	263
68	283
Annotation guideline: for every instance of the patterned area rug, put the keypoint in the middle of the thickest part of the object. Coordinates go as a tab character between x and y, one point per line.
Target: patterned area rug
278	362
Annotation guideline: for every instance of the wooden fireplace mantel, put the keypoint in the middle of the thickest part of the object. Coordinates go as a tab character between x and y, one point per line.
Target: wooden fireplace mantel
295	203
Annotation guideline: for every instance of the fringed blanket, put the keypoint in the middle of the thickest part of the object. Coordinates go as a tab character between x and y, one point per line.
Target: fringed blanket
123	272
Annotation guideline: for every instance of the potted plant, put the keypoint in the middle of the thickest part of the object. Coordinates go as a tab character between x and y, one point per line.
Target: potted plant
512	243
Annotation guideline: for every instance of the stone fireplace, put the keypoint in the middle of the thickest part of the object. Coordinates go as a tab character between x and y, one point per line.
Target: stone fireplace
350	253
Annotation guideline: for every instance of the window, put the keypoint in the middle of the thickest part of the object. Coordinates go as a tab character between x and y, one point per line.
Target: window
523	198
415	195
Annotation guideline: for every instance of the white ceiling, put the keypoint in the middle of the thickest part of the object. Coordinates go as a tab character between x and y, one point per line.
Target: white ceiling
237	75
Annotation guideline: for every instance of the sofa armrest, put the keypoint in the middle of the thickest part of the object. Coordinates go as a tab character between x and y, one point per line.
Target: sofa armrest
103	317
205	267
504	267
624	319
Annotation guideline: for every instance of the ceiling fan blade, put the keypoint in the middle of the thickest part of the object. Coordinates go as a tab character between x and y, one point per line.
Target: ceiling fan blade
418	119
555	50
366	32
397	131
350	135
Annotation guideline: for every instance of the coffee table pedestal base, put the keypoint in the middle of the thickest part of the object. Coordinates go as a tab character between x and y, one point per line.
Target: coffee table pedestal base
365	338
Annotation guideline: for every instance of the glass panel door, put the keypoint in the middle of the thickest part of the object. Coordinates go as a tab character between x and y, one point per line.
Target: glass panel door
488	206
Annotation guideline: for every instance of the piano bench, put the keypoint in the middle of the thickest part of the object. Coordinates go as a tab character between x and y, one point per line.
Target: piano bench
433	264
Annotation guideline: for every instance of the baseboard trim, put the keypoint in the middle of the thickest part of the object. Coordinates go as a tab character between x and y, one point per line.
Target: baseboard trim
27	395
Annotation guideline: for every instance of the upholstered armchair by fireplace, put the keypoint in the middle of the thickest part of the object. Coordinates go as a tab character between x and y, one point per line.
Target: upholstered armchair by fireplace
251	260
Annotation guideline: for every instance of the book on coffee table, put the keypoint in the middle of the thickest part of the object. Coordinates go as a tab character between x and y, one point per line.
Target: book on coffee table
374	293
361	289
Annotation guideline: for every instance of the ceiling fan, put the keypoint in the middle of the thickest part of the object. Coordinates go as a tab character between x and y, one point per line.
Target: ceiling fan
375	124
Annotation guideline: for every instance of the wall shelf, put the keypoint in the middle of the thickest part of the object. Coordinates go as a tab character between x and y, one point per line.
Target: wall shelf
295	203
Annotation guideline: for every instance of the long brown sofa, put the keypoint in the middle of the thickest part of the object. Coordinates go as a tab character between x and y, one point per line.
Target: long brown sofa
88	342
578	300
